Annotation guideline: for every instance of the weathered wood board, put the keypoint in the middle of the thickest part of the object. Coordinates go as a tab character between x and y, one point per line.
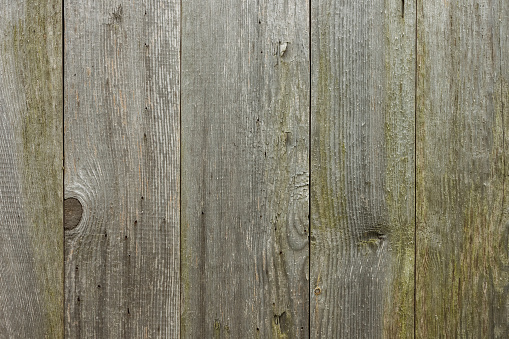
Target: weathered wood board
362	169
462	208
349	120
31	232
122	160
245	175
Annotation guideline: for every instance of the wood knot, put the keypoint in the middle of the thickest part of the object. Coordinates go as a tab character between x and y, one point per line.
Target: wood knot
73	210
117	14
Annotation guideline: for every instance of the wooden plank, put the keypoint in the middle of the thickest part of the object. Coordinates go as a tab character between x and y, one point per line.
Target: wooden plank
362	168
462	214
31	232
245	176
122	138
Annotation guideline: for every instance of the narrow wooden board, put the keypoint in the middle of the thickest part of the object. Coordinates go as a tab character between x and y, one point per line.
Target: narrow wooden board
462	184
245	175
362	169
31	232
122	137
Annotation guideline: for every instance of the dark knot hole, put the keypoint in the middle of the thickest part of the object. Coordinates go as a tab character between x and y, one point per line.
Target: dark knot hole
73	210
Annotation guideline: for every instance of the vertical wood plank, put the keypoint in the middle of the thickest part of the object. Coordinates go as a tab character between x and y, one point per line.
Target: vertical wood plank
245	176
31	232
122	138
462	210
362	168
31	271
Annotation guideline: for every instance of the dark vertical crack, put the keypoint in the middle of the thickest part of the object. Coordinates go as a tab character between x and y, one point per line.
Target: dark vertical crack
309	169
180	173
415	164
63	163
504	174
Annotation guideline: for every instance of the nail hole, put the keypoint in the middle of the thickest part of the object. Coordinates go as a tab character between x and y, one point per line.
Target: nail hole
318	291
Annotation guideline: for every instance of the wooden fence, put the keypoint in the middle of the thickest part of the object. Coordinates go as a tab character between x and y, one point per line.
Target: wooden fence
254	169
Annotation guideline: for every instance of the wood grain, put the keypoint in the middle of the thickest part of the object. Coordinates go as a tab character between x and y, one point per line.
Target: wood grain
362	169
122	138
245	175
462	210
31	230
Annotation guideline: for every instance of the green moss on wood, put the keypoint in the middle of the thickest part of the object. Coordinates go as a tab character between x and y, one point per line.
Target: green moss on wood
36	44
461	182
331	206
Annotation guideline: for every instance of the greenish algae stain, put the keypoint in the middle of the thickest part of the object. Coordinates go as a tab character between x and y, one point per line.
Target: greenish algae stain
187	260
463	280
36	44
399	132
281	137
323	191
281	326
185	287
217	329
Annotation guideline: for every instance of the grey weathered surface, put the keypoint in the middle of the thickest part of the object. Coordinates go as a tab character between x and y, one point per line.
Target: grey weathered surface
362	168
245	129
463	129
31	232
122	138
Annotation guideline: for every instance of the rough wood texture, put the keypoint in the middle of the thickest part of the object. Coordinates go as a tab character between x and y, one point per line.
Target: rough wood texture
462	210
31	275
122	163
362	169
245	176
31	232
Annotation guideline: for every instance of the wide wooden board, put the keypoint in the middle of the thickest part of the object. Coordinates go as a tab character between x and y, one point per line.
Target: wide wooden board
362	169
462	137
245	175
31	230
122	164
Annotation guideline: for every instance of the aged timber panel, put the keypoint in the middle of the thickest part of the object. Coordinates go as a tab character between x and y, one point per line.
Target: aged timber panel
362	168
31	231
245	176
122	165
462	210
